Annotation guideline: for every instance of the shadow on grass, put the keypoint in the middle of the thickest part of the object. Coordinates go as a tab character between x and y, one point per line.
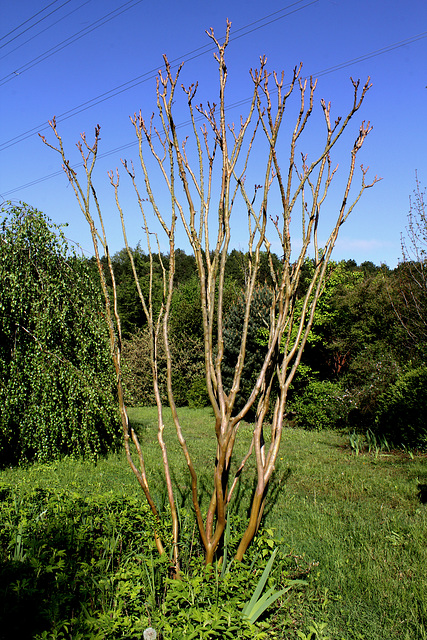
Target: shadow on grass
243	496
60	555
21	605
422	493
246	492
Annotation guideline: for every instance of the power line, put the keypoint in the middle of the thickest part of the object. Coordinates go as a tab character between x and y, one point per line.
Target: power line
28	20
322	72
45	29
148	75
33	25
65	43
373	54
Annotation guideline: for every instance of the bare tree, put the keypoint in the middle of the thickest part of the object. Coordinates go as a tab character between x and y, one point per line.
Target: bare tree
411	305
205	176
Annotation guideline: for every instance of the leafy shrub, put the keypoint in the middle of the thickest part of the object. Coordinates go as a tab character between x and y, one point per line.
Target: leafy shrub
402	410
320	404
180	388
373	370
198	396
137	374
86	567
187	364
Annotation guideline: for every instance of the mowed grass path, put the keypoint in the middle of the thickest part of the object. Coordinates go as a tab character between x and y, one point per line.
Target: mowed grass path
358	521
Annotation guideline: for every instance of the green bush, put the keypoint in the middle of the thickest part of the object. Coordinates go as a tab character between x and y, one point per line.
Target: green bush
137	372
86	567
402	411
187	364
320	404
198	396
370	373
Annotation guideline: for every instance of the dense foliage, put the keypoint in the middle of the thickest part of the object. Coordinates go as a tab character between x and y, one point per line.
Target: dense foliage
85	567
357	351
402	410
57	381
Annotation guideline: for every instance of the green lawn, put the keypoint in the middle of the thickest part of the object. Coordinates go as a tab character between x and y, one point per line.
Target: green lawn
355	524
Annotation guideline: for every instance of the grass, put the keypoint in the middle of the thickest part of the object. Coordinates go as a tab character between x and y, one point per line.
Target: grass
361	520
357	521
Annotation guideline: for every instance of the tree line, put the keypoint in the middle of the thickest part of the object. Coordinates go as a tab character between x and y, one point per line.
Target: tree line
363	369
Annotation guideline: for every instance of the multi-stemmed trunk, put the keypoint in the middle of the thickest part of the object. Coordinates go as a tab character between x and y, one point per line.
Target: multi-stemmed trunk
207	201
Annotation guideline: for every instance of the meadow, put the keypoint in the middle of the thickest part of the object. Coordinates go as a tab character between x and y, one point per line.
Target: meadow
77	559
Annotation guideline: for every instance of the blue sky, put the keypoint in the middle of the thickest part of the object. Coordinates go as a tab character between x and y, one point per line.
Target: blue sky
94	61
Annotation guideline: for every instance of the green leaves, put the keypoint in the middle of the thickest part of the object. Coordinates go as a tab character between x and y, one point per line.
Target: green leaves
87	562
259	603
402	408
58	385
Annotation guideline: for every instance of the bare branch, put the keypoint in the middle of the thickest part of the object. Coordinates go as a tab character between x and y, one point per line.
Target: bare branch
205	175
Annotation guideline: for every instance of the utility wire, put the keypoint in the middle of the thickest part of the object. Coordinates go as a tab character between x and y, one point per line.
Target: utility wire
33	25
28	20
372	54
45	29
65	43
323	72
152	73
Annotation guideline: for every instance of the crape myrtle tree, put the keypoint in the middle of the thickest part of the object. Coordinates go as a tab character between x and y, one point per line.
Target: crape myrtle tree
204	174
57	384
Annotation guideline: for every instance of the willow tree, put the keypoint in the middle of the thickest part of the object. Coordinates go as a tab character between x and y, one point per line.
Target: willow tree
205	175
57	386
